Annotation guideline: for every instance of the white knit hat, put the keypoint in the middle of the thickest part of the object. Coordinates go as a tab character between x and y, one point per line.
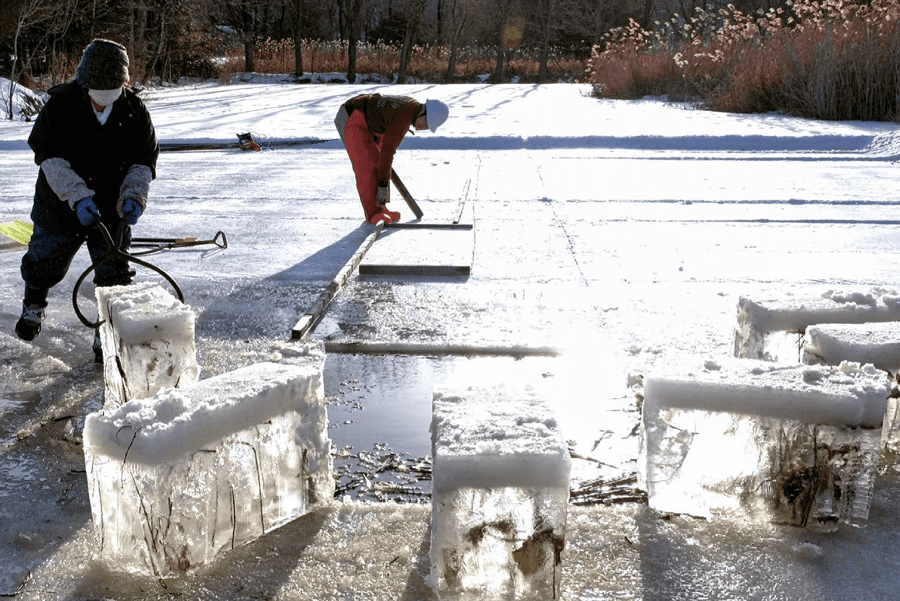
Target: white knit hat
436	113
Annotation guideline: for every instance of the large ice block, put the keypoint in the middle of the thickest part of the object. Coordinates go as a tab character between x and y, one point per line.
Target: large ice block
148	342
178	479
788	444
771	329
875	343
500	488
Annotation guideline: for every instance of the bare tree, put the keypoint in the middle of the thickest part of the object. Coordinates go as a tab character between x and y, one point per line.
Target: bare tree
297	10
509	24
137	31
30	14
460	17
246	18
559	22
411	20
350	19
56	21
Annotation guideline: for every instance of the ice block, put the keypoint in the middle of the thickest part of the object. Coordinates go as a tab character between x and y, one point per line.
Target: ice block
788	444
875	343
771	329
500	485
178	479
148	342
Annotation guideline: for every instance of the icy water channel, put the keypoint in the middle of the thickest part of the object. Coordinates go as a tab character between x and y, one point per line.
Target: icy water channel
379	412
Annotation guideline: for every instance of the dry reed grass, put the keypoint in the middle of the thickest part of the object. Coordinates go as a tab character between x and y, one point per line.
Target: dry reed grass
828	59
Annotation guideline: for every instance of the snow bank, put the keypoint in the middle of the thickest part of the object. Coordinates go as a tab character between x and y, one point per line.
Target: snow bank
25	103
886	145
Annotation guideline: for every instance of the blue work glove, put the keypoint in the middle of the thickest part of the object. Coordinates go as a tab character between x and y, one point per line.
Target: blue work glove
87	212
131	211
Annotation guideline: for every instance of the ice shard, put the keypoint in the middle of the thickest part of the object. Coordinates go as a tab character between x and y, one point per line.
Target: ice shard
787	444
148	342
500	488
178	479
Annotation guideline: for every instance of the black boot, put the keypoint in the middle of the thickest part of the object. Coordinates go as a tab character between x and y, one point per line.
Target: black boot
29	325
98	347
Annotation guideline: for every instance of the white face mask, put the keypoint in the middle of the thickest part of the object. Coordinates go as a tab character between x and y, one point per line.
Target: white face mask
105	97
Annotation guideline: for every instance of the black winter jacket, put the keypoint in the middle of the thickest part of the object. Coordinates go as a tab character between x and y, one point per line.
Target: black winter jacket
100	154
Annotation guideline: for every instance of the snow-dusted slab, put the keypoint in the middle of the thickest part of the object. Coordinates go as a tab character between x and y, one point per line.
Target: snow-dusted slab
148	342
875	343
763	325
425	251
787	444
178	479
500	489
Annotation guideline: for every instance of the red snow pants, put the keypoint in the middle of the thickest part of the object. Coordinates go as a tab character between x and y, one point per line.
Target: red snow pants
364	149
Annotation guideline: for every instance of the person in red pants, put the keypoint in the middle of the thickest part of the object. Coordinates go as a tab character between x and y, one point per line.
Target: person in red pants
372	127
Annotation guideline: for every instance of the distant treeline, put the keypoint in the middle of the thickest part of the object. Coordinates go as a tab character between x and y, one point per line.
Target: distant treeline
828	59
41	40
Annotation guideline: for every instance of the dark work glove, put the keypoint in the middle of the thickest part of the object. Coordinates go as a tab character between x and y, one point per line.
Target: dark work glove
87	212
381	195
131	211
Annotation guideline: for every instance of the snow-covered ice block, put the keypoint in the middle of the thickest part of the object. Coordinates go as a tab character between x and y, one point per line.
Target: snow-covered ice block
890	437
875	343
178	479
787	444
148	342
500	488
771	329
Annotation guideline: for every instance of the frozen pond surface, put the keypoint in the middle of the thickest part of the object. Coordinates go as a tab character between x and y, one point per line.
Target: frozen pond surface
618	233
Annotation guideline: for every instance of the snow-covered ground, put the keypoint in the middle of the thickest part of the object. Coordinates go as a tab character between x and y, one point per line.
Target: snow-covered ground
619	234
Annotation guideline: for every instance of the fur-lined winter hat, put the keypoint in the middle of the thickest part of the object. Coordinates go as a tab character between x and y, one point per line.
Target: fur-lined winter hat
104	65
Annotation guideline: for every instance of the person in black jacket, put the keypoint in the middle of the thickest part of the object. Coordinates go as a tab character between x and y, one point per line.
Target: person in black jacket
96	147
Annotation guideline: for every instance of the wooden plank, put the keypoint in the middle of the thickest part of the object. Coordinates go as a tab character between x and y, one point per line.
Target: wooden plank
433	226
313	316
413	206
462	201
421	251
435	270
